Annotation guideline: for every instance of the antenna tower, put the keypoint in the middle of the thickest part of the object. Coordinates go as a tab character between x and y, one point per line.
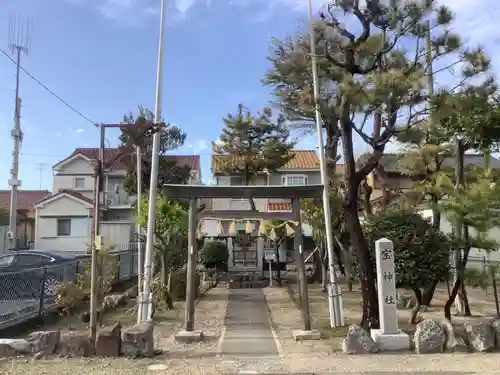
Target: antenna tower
20	32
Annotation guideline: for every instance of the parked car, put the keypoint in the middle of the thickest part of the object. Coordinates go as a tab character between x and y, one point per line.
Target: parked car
25	274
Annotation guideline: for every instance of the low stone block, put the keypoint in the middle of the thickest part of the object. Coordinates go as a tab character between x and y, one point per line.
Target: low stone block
44	342
390	342
189	337
302	335
481	336
138	341
495	325
358	341
108	341
429	337
14	347
76	344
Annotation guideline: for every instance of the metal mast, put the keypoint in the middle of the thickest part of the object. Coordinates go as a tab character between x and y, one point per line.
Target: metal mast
334	291
20	30
150	237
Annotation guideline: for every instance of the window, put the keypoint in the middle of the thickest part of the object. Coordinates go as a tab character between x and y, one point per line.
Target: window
6	260
236	181
294	179
79	182
31	260
64	227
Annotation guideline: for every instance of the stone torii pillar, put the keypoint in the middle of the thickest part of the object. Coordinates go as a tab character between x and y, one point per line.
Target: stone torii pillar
189	335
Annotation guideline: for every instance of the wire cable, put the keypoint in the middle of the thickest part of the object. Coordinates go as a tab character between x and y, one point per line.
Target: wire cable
49	90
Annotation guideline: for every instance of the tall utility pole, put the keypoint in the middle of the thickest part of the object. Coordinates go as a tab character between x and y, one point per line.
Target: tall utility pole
100	166
150	237
20	31
98	183
334	290
140	263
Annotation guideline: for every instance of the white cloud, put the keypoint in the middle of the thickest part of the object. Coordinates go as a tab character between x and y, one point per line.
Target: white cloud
79	130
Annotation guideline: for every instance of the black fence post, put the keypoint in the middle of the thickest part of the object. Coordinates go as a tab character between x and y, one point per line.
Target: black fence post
42	292
77	271
118	267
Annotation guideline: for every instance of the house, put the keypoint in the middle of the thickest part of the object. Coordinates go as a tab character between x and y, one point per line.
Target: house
64	220
302	169
26	199
403	183
399	182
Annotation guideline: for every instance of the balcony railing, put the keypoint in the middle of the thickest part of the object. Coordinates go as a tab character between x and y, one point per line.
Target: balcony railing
120	199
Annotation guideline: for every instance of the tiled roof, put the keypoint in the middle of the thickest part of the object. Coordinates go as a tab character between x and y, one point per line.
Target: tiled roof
109	154
279	206
25	198
390	161
192	161
77	195
302	159
73	193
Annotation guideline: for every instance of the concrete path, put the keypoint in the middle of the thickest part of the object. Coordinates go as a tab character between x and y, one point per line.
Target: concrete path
247	330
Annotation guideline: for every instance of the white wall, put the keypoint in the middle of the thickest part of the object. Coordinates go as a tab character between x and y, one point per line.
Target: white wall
47	238
235	204
67	182
475	255
117	233
79	213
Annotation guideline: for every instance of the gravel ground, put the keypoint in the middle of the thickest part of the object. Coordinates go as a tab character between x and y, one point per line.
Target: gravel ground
298	364
209	318
319	357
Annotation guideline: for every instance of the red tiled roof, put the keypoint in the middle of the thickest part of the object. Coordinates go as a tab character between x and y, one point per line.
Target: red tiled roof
77	195
73	193
279	206
302	159
25	198
192	161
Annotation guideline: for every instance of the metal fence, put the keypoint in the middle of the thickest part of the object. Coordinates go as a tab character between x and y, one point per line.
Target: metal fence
31	293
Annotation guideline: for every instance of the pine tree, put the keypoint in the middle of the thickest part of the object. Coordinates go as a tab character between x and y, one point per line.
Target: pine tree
250	145
169	172
378	77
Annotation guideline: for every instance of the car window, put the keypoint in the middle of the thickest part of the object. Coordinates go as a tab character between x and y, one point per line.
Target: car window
31	259
6	261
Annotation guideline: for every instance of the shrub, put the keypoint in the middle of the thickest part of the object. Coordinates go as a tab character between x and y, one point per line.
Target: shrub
178	284
214	254
421	253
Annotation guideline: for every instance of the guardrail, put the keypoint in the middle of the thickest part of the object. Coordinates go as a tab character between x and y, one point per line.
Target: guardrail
31	293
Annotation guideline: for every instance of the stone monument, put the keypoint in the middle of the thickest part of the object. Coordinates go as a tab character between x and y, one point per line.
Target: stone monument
388	337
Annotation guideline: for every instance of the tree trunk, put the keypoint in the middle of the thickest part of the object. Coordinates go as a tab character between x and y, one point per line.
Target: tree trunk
315	276
165	281
463	292
495	292
164	268
418	304
324	276
429	294
370	318
456	287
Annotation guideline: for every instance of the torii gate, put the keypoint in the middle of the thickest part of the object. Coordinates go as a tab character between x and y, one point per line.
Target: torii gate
195	192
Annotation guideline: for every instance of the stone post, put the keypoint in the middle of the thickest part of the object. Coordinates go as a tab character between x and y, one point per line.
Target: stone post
388	337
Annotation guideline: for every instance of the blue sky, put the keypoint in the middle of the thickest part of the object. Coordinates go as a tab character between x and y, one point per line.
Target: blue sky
100	56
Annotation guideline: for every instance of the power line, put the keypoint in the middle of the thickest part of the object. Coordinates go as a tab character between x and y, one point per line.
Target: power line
49	90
